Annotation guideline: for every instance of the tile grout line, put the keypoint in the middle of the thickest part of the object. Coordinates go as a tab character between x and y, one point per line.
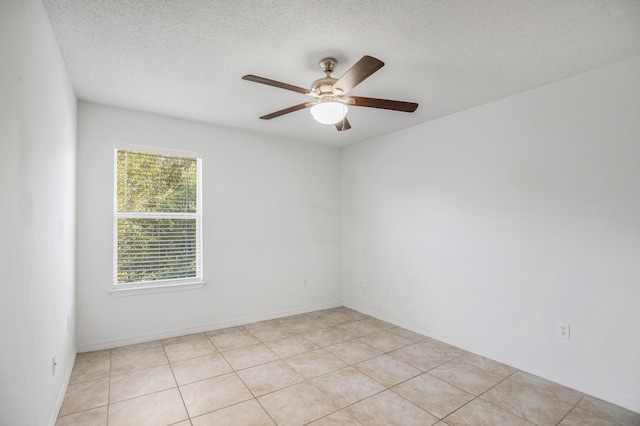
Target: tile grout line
450	384
255	398
572	408
539	392
500	408
173	374
475	397
309	381
386	388
85	381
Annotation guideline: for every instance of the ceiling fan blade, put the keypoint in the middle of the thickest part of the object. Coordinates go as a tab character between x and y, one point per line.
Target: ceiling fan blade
275	83
382	103
358	73
286	111
343	125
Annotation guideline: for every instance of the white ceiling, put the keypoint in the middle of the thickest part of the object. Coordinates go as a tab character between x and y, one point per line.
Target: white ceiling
185	58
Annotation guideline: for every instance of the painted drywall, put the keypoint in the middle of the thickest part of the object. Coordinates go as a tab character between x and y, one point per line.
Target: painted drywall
37	237
271	219
487	227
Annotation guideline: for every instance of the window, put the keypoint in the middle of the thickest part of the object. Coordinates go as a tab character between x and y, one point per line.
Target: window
157	219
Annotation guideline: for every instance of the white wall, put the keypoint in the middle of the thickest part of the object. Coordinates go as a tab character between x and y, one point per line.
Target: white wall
37	218
486	227
483	228
272	218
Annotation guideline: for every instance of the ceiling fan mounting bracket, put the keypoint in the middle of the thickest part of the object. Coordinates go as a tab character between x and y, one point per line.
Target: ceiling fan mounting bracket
328	65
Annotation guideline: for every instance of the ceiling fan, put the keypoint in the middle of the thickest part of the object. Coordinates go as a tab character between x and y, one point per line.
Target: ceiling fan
331	101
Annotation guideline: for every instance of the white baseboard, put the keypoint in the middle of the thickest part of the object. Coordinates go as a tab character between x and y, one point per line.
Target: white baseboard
63	390
585	388
165	334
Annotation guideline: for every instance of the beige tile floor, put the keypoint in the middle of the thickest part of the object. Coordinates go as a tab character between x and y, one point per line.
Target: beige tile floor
331	367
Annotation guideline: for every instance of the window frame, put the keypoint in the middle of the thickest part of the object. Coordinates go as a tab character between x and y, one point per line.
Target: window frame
157	286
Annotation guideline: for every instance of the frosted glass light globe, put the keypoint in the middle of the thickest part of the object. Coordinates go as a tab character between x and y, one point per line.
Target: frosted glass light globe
329	112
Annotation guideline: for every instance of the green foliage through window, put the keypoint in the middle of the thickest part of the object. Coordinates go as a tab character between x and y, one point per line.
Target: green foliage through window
156	183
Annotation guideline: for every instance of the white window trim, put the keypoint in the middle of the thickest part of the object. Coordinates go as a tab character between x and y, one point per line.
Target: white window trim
160	286
156	287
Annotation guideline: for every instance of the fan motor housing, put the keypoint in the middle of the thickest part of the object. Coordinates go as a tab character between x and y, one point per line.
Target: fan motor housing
323	85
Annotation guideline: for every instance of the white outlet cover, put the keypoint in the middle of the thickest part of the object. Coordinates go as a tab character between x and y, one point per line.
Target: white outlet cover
564	331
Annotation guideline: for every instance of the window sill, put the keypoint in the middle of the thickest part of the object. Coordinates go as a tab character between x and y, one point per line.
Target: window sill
151	289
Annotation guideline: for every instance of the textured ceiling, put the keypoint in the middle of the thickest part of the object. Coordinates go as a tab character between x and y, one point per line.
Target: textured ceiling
185	58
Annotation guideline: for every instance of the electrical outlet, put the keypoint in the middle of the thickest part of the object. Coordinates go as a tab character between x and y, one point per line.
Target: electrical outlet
363	283
53	365
564	331
305	283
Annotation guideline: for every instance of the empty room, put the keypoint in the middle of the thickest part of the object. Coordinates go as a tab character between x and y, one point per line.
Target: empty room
320	213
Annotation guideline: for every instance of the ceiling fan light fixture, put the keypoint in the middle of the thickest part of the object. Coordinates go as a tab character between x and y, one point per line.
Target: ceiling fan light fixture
329	112
330	106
